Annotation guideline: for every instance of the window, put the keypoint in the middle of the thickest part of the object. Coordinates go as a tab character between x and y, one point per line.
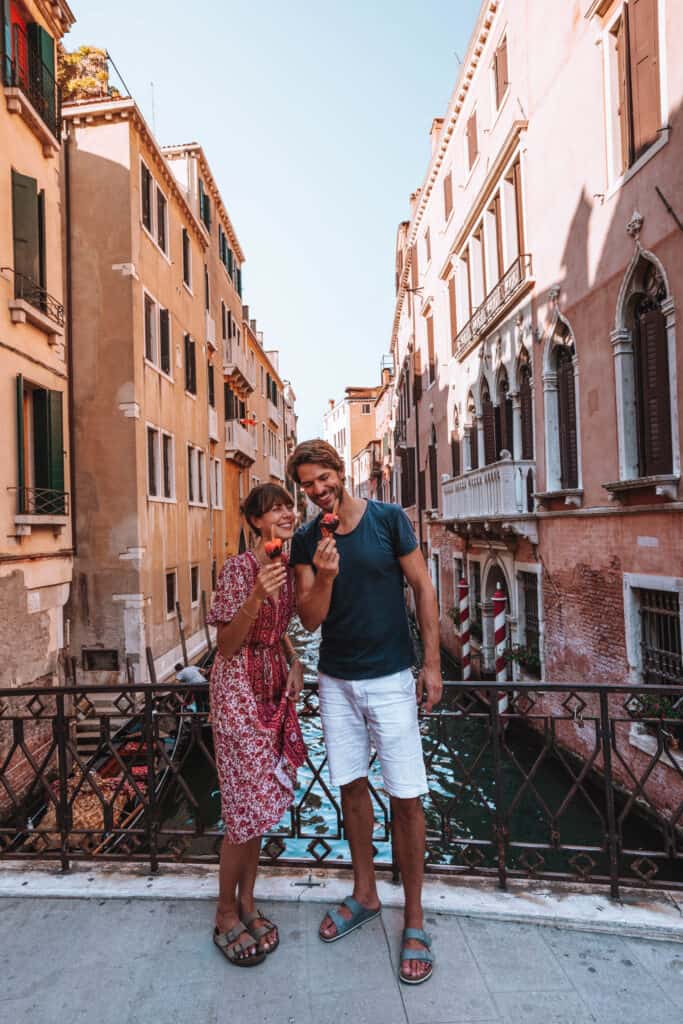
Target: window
224	321
428	246
504	428
216	483
407	477
164	341
433	477
168	465
569	472
448	195
150	329
187	259
153	209
204	206
489	423
146	188
157	334
529	586
455	445
211	386
472	144
194	585
475	596
152	462
431	360
201	478
436	580
452	308
500	71
40	451
29	63
190	365
196	476
162	220
526	405
561	411
28	229
660	637
191	490
171	592
207	290
634	81
472	434
365	408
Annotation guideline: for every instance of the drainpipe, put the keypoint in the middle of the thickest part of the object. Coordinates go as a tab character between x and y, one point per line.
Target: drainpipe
69	336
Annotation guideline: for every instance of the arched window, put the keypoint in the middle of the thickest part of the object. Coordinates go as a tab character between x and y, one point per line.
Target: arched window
526	405
455	445
504	429
433	480
561	409
566	401
490	446
651	373
473	438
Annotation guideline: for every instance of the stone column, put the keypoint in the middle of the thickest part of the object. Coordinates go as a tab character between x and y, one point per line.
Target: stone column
516	425
480	441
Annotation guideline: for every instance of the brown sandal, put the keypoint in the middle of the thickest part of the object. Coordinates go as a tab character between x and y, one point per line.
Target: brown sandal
231	949
262	930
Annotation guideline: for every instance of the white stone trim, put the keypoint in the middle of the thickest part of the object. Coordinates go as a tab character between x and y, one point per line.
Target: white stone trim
634	581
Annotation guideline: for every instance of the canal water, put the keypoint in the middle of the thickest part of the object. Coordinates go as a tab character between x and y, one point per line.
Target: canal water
459	810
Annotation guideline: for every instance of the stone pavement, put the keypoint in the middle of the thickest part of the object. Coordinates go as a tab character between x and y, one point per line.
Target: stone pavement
136	961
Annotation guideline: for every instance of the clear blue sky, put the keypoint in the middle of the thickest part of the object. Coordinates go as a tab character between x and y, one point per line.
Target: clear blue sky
314	117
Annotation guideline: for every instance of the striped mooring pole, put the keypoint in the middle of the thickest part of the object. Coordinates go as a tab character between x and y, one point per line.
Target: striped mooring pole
464	606
499	607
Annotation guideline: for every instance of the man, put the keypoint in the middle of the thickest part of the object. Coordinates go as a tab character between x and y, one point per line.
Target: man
351	582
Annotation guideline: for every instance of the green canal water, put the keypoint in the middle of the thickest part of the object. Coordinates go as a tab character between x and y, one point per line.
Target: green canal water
460	810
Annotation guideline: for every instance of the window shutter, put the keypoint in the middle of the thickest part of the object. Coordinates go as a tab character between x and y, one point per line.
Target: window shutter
519	207
42	59
472	138
55	440
414	274
26	229
430	349
498	429
21	441
509	431
623	109
489	430
452	307
146	190
501	71
654	405
644	61
448	195
455	455
6	43
164	341
211	387
567	410
474	446
433	481
421	489
526	411
417	377
499	234
187	362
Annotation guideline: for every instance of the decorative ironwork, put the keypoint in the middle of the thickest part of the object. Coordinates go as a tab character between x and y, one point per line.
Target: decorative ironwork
41	501
513	794
27	289
506	289
25	70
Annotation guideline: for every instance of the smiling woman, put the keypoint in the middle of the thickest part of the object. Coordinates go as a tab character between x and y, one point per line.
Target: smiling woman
255	682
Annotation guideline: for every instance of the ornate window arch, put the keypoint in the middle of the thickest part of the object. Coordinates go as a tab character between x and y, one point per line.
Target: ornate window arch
472	433
456	461
561	408
526	404
489	422
504	415
644	348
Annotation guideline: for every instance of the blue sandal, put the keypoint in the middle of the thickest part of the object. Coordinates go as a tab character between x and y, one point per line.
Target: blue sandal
425	955
360	915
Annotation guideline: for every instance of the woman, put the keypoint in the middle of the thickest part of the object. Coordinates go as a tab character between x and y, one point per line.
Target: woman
255	682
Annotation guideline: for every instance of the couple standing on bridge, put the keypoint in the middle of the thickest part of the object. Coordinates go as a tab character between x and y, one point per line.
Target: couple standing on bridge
346	573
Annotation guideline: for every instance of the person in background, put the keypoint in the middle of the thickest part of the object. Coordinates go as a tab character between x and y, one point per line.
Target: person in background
350	564
255	682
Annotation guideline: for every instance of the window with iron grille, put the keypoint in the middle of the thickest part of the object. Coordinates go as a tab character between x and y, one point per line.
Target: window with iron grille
660	637
529	585
171	592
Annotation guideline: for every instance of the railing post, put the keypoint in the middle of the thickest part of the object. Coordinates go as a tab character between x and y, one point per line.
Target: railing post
152	824
500	827
612	837
61	735
181	631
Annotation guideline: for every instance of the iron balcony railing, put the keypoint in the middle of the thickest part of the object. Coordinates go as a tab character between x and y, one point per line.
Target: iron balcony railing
577	782
502	293
23	69
25	288
41	501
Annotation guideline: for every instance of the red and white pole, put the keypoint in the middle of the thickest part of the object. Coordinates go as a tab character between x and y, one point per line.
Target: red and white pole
464	602
499	631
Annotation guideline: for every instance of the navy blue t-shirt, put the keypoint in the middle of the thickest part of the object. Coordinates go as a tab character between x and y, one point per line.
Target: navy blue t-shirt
366	633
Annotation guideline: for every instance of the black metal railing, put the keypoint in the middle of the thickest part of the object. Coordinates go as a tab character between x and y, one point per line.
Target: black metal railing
497	299
41	501
23	69
570	782
26	288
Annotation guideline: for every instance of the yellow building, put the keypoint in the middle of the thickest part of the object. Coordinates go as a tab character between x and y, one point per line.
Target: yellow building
35	464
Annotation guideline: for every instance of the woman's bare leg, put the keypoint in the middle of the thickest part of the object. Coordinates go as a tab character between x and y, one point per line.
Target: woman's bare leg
234	857
245	889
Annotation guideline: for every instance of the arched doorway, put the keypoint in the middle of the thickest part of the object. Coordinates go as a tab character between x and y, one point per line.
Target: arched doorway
495	577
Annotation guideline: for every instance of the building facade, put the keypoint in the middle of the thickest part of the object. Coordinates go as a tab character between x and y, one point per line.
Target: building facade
349	426
35	463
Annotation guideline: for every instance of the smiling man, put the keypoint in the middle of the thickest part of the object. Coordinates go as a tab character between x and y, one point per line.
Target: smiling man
350	582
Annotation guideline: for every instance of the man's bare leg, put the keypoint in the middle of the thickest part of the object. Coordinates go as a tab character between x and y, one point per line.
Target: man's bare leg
358	825
408	832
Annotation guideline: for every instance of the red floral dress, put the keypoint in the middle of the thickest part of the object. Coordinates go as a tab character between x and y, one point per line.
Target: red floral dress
257	738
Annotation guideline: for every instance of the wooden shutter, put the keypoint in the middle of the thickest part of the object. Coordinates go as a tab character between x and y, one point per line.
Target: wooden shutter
188	377
489	430
55	443
472	138
567	409
526	411
146	190
452	308
421	489
501	67
433	481
644	68
417	377
455	455
448	195
623	111
519	206
430	349
474	446
211	387
42	69
21	441
164	341
495	209
414	275
498	429
26	229
654	402
508	427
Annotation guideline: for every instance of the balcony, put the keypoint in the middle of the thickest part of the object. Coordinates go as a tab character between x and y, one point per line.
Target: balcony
275	468
236	367
499	492
40	506
31	92
274	414
512	284
33	304
240	446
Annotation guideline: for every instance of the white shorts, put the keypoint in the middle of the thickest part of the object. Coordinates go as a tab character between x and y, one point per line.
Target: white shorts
381	711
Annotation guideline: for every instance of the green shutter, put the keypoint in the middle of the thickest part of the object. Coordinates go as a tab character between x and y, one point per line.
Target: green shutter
26	228
41	456
42	269
21	467
6	43
55	443
42	51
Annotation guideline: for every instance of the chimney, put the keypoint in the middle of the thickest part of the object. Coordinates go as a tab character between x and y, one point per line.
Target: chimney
331	401
386	376
435	132
245	313
252	324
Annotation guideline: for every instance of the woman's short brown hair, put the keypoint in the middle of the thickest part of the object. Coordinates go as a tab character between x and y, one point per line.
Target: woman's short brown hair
317	451
261	499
